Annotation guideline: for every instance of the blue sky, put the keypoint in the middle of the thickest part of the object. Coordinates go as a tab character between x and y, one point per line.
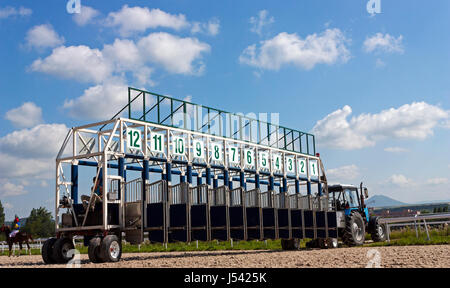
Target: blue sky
374	89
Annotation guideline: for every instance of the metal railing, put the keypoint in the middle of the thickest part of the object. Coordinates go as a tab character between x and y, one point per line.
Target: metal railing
219	196
252	198
156	192
415	221
199	194
178	194
133	190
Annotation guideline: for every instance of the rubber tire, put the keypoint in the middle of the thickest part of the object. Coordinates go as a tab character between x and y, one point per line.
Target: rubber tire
105	254
375	230
349	236
290	244
58	254
47	251
94	250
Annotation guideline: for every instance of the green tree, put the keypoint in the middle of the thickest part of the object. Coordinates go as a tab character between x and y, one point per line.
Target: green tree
2	214
40	224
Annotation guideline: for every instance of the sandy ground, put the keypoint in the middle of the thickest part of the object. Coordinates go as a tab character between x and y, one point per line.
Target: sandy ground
406	256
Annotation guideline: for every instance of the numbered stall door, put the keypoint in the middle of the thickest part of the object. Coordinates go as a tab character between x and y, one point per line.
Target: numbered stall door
269	226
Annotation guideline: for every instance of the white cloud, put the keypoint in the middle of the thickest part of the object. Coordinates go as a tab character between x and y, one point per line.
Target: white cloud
12	11
31	152
400	180
75	62
343	173
99	102
437	181
211	28
384	43
43	36
139	19
380	63
124	54
259	22
25	116
42	141
396	149
9	190
86	16
410	121
328	47
174	54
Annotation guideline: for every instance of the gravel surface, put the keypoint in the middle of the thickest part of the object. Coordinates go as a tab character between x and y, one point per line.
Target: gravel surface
405	256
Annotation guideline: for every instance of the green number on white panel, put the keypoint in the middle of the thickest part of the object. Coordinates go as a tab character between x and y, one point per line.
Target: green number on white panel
216	152
249	159
233	155
133	139
277	162
157	142
263	163
313	168
290	164
198	149
178	146
302	166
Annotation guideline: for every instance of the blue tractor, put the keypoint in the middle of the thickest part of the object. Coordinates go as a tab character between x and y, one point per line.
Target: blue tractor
353	216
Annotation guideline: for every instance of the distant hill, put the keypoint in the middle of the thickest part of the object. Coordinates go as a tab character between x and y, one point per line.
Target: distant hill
382	201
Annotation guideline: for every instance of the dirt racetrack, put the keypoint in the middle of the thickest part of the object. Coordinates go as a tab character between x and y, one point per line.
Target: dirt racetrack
405	256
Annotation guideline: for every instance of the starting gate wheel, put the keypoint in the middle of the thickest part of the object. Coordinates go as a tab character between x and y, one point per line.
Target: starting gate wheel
94	250
47	251
61	249
111	248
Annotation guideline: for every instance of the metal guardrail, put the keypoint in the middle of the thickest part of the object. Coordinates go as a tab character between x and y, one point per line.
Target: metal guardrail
415	220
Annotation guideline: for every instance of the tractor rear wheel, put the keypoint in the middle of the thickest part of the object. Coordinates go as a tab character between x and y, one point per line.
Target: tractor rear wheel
47	251
290	244
377	230
354	232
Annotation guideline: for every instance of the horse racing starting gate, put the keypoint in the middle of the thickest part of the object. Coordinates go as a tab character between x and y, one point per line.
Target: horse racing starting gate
202	174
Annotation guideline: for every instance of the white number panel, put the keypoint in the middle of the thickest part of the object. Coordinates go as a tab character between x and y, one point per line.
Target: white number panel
216	152
249	155
198	149
179	146
134	140
313	169
264	160
302	166
290	164
157	142
277	162
233	155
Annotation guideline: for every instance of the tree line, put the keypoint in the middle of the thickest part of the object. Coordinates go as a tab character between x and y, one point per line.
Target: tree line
40	223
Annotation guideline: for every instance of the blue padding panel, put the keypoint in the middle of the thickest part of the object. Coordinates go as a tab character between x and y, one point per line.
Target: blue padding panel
332	220
283	217
200	235
220	234
155	215
268	217
269	233
296	219
297	233
236	216
156	236
178	215
218	216
252	216
198	215
320	219
309	220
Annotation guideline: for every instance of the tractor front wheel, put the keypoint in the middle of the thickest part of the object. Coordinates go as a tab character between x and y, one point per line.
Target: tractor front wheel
354	232
47	251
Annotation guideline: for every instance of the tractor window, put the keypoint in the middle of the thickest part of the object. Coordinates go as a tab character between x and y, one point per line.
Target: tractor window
351	196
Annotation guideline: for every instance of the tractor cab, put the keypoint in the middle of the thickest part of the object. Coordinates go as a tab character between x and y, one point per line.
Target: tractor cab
347	198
